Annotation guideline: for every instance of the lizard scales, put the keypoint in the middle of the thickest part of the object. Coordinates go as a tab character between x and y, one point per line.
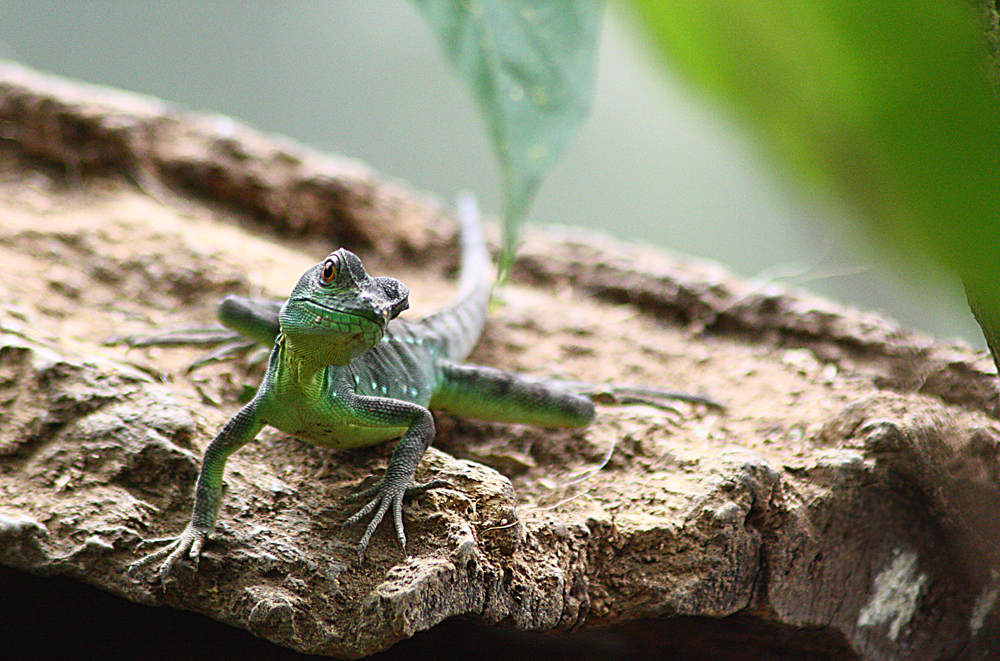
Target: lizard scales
344	372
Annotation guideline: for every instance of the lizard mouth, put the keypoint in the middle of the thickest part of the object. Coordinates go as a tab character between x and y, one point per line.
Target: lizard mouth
330	313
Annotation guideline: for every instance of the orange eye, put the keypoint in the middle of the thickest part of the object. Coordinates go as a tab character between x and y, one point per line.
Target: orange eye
329	272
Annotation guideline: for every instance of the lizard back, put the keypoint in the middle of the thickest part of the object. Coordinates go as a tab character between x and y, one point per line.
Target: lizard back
406	364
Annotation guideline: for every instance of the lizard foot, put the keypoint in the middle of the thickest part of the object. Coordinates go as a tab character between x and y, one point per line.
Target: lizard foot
386	494
189	542
230	344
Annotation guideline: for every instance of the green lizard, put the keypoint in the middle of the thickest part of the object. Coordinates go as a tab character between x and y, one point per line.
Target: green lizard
344	373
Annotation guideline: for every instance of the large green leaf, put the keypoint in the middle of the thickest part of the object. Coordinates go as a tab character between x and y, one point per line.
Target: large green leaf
886	103
530	64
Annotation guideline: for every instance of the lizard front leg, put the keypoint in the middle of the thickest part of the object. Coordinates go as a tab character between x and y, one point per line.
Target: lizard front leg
239	431
398	481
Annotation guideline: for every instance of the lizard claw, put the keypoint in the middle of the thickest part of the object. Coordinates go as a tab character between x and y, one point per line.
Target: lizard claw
386	495
190	542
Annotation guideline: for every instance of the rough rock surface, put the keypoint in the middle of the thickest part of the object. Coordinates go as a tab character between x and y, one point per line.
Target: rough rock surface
845	498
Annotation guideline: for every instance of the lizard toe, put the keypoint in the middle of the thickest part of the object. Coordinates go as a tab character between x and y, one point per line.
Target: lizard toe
387	493
190	543
423	487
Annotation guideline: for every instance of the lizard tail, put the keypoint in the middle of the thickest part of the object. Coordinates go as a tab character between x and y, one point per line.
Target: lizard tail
476	264
460	324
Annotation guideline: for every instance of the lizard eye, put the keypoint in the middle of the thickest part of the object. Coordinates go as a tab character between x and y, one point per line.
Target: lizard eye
329	272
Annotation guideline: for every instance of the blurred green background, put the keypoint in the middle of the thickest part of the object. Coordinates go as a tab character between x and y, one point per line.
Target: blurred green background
367	80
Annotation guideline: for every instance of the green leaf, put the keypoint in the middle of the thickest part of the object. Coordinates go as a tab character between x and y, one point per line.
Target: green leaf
530	65
887	104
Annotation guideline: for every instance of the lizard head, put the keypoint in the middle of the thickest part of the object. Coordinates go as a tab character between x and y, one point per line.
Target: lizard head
337	311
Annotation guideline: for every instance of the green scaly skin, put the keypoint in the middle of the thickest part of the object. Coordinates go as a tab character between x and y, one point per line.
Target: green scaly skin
344	372
341	375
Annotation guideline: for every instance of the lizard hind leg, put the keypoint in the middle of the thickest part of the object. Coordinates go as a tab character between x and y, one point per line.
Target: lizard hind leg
624	394
254	319
488	393
246	325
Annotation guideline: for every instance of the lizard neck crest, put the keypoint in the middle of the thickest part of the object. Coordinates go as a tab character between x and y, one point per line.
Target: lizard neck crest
337	311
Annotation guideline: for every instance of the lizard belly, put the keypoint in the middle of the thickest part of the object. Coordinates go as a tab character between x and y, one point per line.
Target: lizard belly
330	426
345	434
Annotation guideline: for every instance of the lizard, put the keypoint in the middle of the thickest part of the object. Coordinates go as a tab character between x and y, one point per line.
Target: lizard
344	371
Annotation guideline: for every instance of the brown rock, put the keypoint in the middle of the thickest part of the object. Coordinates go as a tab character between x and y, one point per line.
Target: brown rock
842	506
